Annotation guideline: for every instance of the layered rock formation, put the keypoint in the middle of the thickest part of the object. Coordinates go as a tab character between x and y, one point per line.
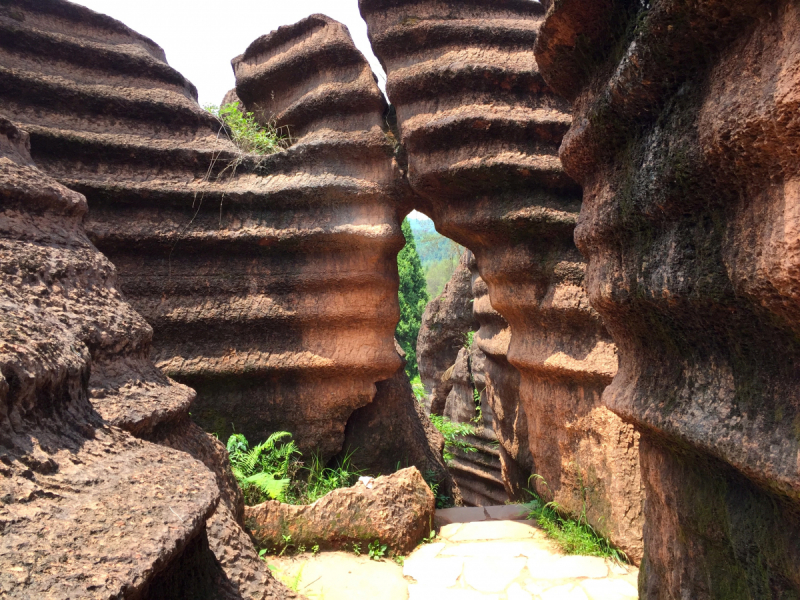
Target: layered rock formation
686	140
500	390
482	131
397	510
269	281
88	510
445	324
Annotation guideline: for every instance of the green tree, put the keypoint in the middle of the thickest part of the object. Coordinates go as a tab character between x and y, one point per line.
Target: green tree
413	299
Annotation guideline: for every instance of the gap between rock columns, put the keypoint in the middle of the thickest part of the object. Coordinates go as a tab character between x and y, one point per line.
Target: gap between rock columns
481	130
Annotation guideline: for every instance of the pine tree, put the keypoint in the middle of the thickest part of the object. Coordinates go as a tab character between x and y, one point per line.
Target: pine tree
413	297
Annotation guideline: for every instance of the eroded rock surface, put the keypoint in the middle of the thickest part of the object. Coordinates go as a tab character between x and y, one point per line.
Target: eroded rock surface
686	140
482	131
396	509
394	431
88	510
500	389
445	324
270	282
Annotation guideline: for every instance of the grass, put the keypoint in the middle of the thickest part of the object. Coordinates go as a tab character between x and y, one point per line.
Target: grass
273	470
246	133
573	536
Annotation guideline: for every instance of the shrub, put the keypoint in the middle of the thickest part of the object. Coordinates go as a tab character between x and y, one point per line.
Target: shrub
249	135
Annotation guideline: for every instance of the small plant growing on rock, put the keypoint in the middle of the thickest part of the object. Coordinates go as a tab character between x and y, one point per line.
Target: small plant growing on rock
453	436
377	550
246	133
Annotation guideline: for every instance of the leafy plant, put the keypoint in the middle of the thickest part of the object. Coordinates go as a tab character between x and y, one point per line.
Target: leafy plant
442	499
263	472
418	388
377	550
249	135
400	560
357	548
453	436
574	536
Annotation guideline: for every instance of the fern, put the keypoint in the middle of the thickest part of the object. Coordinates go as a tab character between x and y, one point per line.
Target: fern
263	472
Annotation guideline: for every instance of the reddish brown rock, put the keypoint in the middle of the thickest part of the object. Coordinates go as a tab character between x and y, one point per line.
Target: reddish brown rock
500	389
88	510
271	287
478	473
396	509
482	131
445	324
686	140
394	431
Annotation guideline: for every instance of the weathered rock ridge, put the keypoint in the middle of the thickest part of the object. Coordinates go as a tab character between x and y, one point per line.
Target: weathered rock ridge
270	282
88	511
686	140
482	129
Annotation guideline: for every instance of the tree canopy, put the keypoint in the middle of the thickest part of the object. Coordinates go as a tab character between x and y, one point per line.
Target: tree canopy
413	297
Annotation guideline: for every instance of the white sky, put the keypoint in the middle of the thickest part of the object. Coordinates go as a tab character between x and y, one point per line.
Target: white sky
201	37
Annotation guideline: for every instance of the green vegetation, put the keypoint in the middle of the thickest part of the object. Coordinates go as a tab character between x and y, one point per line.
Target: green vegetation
574	536
249	135
413	298
453	435
377	550
439	255
263	472
273	470
418	388
442	499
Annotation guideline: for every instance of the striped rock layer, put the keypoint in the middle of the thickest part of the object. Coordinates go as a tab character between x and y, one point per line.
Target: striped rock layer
268	280
482	131
500	388
88	510
686	139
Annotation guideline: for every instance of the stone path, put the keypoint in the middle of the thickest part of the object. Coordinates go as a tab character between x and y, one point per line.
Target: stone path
479	554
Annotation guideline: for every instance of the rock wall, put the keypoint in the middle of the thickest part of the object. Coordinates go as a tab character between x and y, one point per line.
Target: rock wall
686	140
88	510
500	390
482	129
270	282
445	324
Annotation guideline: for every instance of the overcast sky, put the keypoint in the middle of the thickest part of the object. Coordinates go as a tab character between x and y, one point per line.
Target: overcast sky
201	37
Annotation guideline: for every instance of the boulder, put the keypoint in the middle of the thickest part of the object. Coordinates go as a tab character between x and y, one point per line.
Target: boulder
482	129
686	141
445	324
395	509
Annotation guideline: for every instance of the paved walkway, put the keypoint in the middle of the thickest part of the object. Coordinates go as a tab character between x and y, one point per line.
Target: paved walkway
480	554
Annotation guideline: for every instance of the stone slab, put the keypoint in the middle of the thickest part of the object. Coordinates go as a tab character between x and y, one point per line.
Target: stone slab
508	512
496	530
609	589
499	549
568	567
492	574
461	514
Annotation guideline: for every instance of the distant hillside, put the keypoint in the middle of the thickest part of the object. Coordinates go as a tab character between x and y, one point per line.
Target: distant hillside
438	254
